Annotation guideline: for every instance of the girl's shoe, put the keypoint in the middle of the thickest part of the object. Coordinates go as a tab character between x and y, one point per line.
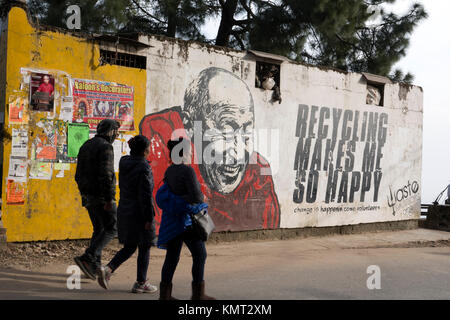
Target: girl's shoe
143	288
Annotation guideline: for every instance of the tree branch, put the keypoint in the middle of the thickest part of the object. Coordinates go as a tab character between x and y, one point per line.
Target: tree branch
247	8
136	3
352	45
238	39
241	22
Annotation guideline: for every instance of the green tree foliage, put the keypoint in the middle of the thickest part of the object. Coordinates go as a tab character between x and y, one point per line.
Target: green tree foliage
337	33
353	35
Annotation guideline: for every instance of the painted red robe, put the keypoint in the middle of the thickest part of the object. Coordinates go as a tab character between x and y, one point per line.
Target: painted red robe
252	205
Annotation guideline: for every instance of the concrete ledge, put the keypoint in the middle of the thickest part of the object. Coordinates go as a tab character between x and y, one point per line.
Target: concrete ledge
291	233
438	218
288	233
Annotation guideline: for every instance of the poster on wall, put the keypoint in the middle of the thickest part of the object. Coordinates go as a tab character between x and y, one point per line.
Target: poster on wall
121	148
41	170
19	143
18	107
62	148
94	101
60	166
66	113
77	134
42	92
50	143
45	142
17	169
15	192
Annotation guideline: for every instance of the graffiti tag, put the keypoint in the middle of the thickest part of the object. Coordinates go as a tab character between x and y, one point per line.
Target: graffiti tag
401	194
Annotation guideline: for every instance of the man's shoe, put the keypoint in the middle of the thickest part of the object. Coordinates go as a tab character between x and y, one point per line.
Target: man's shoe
103	277
86	267
143	288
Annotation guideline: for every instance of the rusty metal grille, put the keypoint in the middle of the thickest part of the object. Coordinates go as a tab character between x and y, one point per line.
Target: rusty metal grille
123	59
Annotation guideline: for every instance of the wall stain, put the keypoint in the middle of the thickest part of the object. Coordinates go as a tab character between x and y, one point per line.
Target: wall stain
403	90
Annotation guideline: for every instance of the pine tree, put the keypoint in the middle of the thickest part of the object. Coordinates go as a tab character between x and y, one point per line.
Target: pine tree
332	33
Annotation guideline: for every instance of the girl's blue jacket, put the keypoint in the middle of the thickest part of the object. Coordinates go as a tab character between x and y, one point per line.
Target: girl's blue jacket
176	216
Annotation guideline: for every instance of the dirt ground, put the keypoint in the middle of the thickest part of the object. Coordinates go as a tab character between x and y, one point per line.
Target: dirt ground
38	254
30	255
413	264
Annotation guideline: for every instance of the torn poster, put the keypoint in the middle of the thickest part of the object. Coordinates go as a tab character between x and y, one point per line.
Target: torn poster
18	110
41	170
19	144
44	145
121	148
66	113
61	144
77	134
15	192
17	169
98	100
117	147
60	166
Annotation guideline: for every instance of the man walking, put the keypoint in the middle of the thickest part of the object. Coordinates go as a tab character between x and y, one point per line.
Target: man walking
97	184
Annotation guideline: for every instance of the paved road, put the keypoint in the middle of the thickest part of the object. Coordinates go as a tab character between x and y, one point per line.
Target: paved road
315	268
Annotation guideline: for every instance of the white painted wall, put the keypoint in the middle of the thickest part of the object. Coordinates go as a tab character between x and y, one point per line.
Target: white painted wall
173	64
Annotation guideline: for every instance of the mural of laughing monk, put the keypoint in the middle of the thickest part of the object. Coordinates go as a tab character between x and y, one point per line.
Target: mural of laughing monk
240	189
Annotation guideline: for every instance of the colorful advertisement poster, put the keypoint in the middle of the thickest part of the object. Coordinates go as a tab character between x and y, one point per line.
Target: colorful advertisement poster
62	148
44	145
15	192
18	107
77	134
50	143
42	92
94	101
41	170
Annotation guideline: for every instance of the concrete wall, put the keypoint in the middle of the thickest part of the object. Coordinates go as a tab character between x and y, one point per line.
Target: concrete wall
3	39
52	208
375	163
373	157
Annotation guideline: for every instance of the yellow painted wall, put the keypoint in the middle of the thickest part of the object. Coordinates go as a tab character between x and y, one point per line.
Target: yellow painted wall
52	209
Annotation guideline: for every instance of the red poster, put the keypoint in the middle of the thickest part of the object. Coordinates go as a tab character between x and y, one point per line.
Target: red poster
15	192
98	100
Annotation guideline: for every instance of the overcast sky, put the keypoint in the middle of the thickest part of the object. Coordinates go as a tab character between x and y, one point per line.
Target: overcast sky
427	59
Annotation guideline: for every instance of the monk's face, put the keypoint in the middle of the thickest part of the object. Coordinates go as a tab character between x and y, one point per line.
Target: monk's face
228	131
46	79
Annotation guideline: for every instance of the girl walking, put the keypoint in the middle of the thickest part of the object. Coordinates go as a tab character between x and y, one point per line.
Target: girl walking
181	189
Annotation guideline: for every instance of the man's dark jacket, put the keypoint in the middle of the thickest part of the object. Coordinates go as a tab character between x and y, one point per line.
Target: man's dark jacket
135	205
95	170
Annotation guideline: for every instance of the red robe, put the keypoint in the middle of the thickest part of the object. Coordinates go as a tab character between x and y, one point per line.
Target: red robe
252	205
46	88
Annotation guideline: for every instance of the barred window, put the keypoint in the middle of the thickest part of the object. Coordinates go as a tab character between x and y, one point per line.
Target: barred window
123	59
